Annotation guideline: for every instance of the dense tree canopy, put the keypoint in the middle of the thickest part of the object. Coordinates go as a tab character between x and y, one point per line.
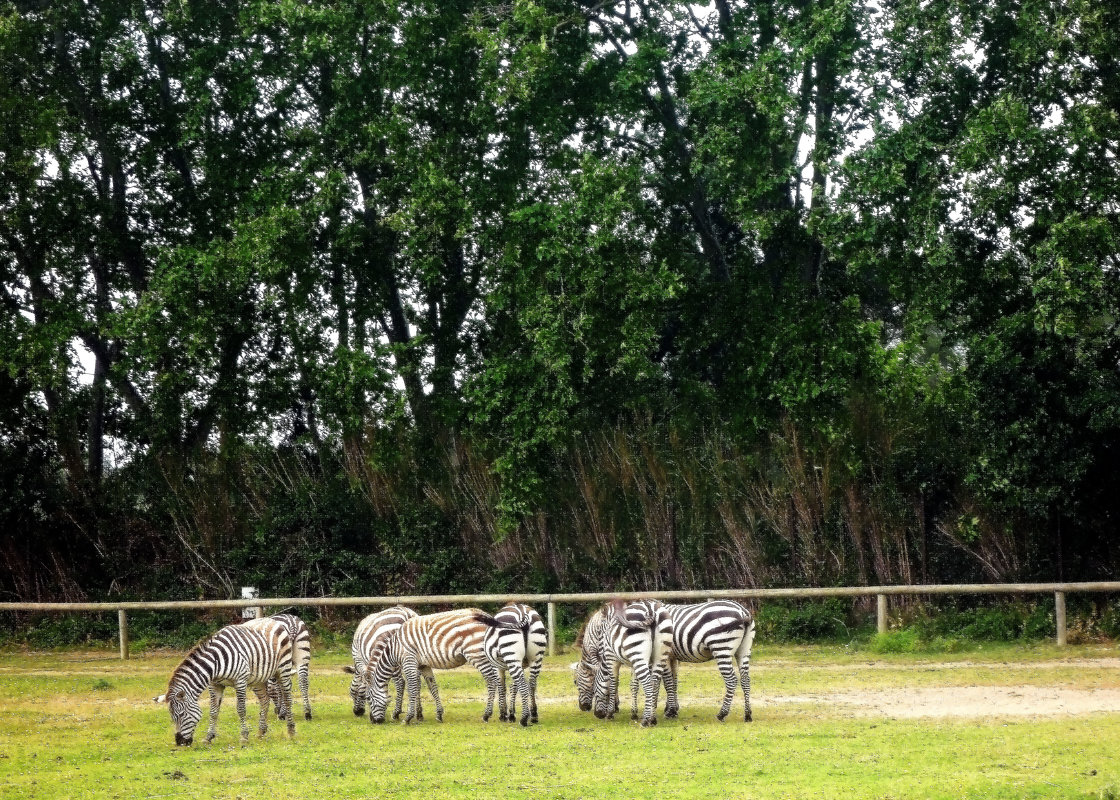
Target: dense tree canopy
374	296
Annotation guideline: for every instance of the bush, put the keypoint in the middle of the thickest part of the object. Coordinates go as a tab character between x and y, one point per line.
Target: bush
804	622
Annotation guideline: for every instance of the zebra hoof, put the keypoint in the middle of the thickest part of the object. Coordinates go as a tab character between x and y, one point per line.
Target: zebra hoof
671	713
721	716
359	711
747	718
397	717
525	722
439	717
486	718
307	715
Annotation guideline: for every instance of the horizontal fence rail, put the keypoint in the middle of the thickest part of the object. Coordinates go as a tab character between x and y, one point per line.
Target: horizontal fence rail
881	593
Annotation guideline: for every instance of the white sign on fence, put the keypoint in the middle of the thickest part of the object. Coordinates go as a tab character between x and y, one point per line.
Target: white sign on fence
250	612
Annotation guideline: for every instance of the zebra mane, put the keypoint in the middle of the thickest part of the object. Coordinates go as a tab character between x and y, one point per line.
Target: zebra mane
202	643
583	631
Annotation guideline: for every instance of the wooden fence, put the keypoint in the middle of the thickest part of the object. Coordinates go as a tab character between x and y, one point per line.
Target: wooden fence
881	593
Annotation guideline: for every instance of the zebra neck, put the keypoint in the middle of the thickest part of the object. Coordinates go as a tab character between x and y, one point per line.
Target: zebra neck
192	676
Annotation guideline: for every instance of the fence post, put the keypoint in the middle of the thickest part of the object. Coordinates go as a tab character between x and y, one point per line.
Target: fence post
552	629
1060	616
881	613
122	625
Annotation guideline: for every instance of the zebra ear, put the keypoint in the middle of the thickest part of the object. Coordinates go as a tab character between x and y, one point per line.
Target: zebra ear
161	699
349	670
574	666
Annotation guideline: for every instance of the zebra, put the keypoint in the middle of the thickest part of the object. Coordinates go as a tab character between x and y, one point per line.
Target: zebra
371	632
525	643
440	641
722	630
639	634
588	642
301	658
239	656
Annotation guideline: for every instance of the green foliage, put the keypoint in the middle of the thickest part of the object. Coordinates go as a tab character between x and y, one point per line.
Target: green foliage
608	295
818	620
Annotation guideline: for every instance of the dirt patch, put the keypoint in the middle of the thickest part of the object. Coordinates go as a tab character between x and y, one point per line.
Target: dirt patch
1072	663
961	701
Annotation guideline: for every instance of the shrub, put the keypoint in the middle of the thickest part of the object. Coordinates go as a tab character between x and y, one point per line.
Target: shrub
804	622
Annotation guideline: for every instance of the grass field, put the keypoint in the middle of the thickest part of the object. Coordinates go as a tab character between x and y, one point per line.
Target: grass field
83	725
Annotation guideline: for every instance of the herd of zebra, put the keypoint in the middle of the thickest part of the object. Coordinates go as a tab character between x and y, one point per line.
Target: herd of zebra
400	646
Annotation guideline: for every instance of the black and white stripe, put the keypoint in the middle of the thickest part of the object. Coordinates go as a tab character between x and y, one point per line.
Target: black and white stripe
719	630
371	632
639	634
437	641
239	656
521	641
301	659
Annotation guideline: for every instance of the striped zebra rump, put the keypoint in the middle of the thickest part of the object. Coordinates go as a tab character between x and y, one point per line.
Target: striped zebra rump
371	632
238	656
301	659
518	648
639	634
719	630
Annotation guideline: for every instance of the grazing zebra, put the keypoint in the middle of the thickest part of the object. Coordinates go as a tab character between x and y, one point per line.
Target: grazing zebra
301	658
523	641
721	630
370	633
588	641
639	634
438	641
239	656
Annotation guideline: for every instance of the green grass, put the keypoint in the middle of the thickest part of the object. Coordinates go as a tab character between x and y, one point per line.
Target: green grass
83	725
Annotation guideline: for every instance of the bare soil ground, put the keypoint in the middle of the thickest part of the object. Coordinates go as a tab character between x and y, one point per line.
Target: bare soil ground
960	701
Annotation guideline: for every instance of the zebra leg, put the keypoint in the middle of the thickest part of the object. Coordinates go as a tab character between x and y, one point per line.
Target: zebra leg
490	674
534	673
502	706
745	672
433	689
672	702
273	692
286	701
399	681
263	699
411	672
633	696
305	689
215	704
730	682
520	686
240	688
650	680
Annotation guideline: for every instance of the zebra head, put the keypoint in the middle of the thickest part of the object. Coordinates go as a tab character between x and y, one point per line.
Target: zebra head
379	669
602	691
584	674
358	690
377	694
185	714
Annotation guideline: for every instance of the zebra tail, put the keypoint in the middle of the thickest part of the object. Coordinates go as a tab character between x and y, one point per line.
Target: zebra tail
619	609
486	619
748	639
